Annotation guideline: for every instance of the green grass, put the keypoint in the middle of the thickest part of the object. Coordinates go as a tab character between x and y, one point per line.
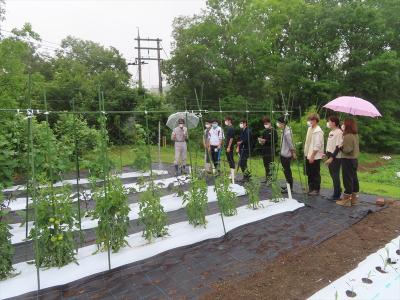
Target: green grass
378	176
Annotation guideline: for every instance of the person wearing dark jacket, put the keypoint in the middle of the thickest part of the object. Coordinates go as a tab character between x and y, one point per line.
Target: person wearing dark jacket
243	148
268	141
229	139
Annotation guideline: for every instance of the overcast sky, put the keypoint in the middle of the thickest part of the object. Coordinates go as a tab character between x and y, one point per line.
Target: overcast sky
108	22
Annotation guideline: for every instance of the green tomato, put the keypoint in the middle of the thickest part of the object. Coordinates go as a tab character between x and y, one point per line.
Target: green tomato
57	222
51	220
53	238
60	237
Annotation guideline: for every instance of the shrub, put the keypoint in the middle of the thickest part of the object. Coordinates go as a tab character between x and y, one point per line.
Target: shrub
54	226
196	201
151	213
227	200
112	212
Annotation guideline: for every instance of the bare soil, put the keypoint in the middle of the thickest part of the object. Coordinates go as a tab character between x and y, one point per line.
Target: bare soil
301	273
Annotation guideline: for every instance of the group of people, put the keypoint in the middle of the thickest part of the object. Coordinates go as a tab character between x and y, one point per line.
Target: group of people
341	152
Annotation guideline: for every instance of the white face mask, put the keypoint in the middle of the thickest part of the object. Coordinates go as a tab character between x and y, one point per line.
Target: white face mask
267	126
181	125
214	125
278	125
208	126
226	123
241	125
309	123
343	127
328	125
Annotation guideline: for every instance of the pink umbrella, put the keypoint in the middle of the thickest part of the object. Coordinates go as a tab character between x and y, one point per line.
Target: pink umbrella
354	106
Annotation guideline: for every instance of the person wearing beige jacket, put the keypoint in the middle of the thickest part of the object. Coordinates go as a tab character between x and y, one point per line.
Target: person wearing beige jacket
314	151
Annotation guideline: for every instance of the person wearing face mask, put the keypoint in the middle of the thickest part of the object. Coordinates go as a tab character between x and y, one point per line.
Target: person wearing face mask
350	150
215	143
179	136
268	142
335	139
314	151
243	148
287	151
206	144
230	135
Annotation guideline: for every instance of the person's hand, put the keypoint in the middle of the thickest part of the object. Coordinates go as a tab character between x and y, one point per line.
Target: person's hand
311	160
228	149
294	155
323	156
237	149
329	161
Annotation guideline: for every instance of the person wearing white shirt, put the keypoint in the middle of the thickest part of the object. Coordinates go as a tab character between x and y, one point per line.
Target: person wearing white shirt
215	138
314	151
335	140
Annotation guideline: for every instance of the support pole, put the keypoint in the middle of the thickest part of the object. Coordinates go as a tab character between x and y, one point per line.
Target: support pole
77	168
160	88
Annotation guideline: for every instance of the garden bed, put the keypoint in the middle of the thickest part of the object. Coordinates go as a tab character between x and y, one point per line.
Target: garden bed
180	234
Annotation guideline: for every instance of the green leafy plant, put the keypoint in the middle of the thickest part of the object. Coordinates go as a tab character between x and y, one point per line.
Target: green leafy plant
142	159
196	201
275	187
151	213
253	192
6	248
227	200
54	226
112	212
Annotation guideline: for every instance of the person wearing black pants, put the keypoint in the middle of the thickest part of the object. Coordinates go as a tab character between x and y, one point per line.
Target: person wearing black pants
334	162
287	151
243	148
314	151
268	142
229	136
350	151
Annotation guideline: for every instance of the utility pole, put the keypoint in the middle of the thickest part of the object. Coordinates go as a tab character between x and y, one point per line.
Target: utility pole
140	60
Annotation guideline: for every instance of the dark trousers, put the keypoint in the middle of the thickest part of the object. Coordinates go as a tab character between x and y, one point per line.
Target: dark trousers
215	155
334	171
244	156
267	160
285	161
349	174
231	161
314	175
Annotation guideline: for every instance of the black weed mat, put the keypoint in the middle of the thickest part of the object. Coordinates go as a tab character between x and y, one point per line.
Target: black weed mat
188	272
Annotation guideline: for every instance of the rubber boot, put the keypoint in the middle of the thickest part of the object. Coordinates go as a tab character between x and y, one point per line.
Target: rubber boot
345	201
176	170
183	170
232	176
354	199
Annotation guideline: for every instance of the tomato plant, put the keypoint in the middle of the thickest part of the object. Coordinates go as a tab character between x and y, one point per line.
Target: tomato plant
227	200
6	248
142	159
54	226
112	212
196	201
275	186
151	213
253	192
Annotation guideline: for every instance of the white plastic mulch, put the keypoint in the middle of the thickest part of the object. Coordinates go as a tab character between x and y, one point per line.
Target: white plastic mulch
180	234
20	203
86	180
383	287
169	202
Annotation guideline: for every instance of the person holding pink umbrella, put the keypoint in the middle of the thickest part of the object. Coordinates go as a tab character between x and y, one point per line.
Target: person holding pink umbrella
350	150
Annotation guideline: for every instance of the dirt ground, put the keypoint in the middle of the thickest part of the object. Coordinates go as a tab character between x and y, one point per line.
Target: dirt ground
299	275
